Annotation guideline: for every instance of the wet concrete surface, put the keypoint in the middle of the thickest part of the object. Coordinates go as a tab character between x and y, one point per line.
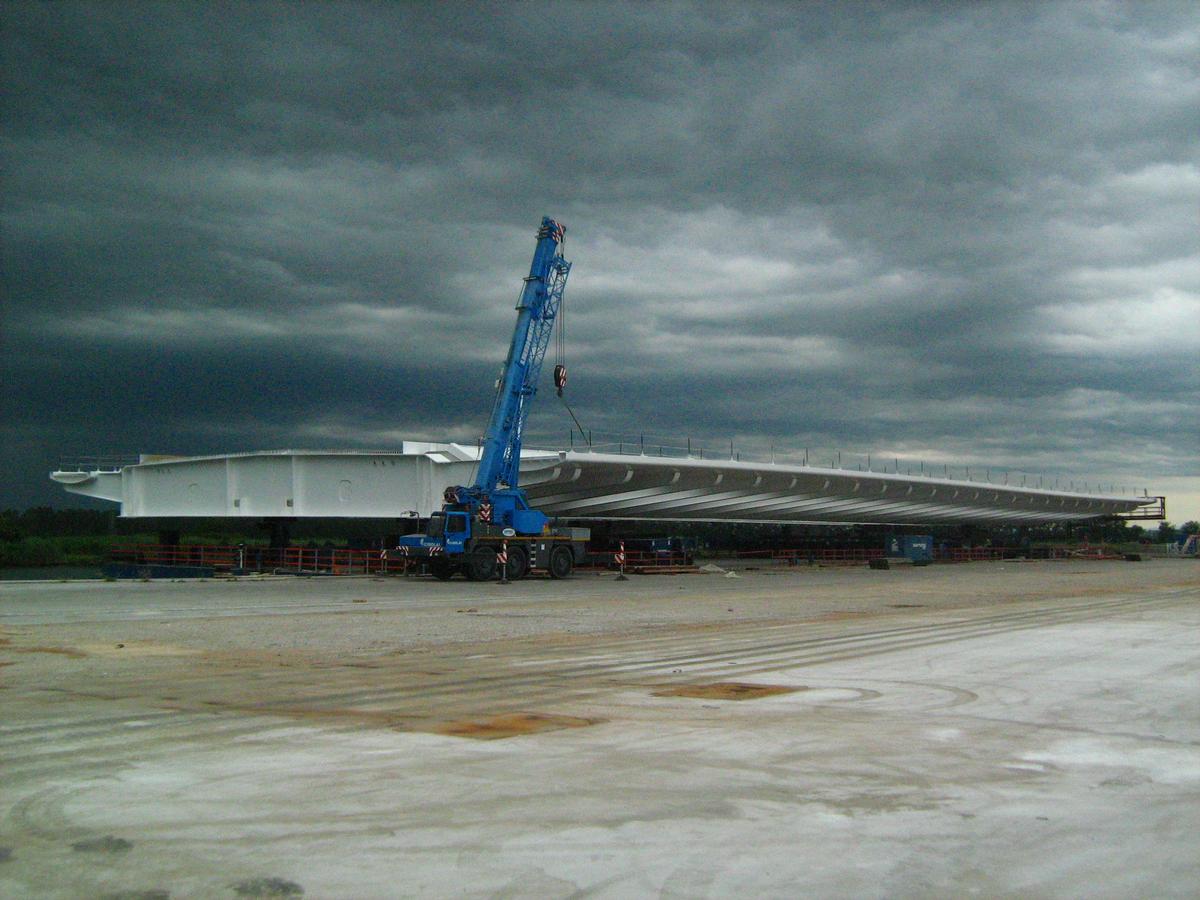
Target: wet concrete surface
989	729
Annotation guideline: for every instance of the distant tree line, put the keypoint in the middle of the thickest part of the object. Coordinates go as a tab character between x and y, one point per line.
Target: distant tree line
42	521
44	536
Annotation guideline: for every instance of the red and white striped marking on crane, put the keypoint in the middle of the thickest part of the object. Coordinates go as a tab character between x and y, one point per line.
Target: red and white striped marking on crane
619	558
485	511
502	556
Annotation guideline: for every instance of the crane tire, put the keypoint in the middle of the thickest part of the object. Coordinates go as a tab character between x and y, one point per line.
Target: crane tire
562	561
481	564
441	569
518	563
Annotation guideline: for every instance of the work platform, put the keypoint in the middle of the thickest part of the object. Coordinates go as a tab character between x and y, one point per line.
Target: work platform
570	484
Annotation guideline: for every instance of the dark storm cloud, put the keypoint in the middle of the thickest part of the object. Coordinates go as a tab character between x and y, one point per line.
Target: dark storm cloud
965	233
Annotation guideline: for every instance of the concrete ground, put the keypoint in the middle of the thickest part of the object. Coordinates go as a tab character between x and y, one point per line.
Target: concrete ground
990	729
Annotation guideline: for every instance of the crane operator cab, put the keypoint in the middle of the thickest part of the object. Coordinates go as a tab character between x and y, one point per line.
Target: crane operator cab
450	529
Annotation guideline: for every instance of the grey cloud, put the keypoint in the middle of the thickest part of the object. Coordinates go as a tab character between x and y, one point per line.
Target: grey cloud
963	231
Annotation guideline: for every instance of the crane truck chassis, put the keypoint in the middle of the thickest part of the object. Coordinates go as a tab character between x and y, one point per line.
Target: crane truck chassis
457	541
490	520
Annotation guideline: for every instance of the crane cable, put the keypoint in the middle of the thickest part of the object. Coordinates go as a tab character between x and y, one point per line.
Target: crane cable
560	338
582	433
560	355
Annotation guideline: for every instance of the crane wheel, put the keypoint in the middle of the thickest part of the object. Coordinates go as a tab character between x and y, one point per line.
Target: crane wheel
481	564
518	563
562	561
441	570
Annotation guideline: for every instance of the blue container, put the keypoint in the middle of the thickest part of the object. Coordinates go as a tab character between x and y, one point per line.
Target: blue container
911	546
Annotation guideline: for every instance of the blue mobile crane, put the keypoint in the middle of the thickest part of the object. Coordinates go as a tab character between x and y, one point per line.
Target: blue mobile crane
491	517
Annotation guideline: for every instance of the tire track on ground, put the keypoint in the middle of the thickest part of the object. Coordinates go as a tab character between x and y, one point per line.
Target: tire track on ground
790	652
498	687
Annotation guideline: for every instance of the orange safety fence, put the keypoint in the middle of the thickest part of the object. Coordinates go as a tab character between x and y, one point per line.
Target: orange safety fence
983	554
340	561
334	561
846	556
854	555
603	560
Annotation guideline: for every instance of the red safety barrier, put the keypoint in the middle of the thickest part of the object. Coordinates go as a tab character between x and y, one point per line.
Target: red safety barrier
635	561
825	556
340	561
988	554
335	561
603	560
219	558
858	555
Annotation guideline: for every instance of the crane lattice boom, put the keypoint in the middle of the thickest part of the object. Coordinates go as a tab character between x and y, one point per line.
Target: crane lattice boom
538	307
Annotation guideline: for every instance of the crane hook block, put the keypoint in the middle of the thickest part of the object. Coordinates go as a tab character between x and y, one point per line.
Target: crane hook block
560	378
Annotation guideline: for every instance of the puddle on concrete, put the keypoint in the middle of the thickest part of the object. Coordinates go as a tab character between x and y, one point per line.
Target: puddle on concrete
106	844
152	894
6	854
511	725
728	690
268	887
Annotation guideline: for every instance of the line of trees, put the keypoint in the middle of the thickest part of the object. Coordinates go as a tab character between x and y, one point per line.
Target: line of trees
43	536
44	521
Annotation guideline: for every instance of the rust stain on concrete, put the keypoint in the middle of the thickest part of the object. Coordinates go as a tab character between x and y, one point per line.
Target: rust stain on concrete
727	690
61	651
511	725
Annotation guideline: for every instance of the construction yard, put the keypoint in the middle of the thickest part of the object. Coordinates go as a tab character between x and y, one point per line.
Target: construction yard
988	729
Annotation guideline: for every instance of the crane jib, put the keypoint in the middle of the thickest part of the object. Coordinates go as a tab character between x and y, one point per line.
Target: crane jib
537	308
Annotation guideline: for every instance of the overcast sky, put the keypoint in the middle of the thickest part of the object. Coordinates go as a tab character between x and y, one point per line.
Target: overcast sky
961	234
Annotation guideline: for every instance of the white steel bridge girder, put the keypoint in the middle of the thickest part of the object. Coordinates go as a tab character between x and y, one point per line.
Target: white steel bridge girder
567	484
